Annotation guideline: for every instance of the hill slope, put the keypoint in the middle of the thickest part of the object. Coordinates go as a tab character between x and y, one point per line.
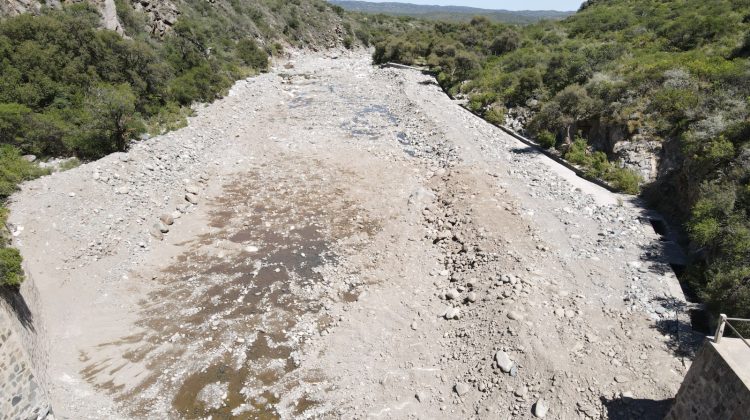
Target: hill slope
657	87
450	13
68	87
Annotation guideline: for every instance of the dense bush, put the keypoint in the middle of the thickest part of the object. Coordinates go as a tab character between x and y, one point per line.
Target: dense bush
11	272
14	170
546	139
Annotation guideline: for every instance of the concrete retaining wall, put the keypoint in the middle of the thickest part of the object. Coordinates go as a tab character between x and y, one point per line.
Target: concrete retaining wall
717	386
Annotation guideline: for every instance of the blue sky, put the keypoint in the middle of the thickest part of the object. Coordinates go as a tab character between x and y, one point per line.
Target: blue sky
503	4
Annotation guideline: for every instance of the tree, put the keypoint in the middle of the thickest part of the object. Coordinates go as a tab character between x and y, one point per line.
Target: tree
111	120
570	106
576	105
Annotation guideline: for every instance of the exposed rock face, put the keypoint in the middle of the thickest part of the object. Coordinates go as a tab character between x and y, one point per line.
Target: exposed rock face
639	155
162	14
109	16
17	7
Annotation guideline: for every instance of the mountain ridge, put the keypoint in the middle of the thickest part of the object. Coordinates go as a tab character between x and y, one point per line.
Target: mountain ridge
451	13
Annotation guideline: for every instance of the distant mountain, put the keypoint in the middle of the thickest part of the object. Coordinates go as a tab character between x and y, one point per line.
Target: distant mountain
450	13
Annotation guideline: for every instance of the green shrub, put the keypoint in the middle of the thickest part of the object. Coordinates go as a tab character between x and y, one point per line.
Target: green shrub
171	117
11	271
578	153
506	42
14	169
495	115
596	165
625	180
546	139
249	53
348	42
363	36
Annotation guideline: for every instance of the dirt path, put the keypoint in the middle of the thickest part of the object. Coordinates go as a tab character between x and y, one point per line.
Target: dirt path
359	247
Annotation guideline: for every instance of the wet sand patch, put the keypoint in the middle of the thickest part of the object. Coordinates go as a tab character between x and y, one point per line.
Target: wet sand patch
221	334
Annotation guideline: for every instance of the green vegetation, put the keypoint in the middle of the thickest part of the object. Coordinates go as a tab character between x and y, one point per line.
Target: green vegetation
70	88
598	166
14	169
674	72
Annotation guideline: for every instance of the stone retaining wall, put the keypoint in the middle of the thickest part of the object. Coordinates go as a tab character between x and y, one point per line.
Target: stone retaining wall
21	394
23	356
716	386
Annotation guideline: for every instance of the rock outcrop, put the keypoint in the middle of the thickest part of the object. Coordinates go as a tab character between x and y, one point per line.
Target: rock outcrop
161	14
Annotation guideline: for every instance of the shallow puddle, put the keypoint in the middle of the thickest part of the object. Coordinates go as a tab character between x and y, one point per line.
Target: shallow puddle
221	334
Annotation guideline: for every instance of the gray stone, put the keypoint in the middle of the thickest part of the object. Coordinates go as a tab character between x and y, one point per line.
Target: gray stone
167	219
191	198
453	294
513	371
540	408
471	297
461	389
452	313
422	396
503	361
192	189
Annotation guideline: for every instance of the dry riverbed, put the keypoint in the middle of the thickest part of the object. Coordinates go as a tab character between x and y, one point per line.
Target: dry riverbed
334	239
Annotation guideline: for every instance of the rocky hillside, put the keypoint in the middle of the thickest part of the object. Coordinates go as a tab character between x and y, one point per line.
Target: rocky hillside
322	27
639	93
70	89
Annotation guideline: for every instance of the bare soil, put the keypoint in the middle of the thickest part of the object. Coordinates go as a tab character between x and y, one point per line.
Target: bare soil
361	247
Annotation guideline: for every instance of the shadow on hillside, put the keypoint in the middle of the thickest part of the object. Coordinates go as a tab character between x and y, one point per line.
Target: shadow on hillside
624	408
430	82
688	329
526	151
13	298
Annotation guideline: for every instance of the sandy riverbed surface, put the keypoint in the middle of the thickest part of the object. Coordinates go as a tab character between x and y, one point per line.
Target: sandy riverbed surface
358	246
